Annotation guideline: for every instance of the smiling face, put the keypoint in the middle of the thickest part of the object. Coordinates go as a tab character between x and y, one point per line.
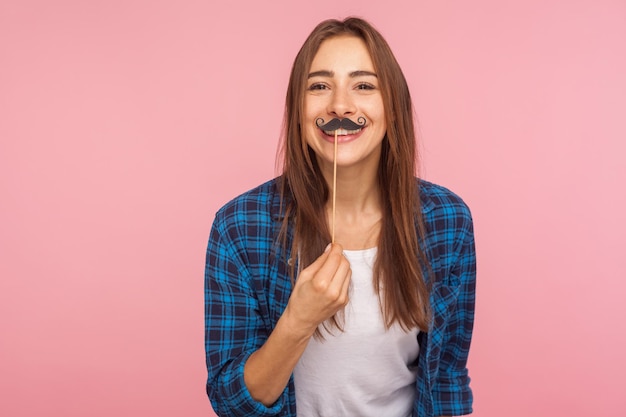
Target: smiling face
342	83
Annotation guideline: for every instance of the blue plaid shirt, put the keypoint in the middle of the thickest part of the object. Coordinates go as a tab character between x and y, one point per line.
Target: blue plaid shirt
247	287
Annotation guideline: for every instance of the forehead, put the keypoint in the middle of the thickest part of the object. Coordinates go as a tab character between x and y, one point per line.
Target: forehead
342	53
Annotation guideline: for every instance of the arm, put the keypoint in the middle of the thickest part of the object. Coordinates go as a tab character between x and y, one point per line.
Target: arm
320	291
248	369
451	391
233	326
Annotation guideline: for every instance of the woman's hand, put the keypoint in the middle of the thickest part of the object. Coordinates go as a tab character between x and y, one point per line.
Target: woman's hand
320	291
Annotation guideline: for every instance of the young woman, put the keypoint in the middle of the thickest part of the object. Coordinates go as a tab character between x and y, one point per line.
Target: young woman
378	323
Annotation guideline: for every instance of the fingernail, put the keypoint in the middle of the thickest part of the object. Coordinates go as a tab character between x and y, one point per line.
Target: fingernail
327	248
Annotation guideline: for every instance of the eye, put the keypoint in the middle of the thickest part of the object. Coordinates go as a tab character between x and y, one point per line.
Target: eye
318	86
365	86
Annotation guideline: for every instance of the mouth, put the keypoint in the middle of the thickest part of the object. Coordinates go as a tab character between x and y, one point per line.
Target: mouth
342	132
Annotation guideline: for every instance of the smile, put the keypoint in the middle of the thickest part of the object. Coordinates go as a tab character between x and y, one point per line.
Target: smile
342	132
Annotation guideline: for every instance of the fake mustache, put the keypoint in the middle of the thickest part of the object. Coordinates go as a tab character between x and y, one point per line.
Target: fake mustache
336	123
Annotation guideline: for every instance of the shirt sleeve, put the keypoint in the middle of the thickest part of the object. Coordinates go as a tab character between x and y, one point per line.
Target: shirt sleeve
234	329
452	395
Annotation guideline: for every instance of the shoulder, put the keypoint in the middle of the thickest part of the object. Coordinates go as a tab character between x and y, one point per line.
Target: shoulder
438	201
446	216
257	205
449	235
245	228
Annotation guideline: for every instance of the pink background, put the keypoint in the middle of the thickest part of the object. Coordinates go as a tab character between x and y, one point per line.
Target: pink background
124	125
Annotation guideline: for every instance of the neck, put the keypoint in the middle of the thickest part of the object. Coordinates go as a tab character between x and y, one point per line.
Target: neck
357	189
357	206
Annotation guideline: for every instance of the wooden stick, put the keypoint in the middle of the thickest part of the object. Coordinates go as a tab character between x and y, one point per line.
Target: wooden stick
334	188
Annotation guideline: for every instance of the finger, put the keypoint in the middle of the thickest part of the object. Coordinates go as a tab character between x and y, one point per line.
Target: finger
341	281
330	265
317	264
345	289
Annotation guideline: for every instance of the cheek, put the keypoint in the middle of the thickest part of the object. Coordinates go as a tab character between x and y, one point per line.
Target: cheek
312	107
309	134
375	110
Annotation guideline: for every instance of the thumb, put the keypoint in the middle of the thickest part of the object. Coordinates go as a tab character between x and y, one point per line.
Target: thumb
317	264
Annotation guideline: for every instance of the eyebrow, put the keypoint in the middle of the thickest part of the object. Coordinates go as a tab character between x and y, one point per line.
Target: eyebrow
353	74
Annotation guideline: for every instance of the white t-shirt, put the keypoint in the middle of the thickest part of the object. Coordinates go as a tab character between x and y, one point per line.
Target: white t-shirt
365	370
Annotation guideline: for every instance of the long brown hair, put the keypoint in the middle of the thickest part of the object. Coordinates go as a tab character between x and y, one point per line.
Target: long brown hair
400	264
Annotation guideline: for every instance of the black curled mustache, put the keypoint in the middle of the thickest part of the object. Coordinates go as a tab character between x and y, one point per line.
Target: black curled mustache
336	123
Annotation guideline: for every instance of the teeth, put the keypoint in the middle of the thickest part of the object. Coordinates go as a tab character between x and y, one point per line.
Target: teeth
342	132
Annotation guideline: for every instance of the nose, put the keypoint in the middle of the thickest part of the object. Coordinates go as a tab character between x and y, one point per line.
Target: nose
341	104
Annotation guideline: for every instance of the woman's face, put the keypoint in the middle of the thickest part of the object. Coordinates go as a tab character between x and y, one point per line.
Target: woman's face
341	84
